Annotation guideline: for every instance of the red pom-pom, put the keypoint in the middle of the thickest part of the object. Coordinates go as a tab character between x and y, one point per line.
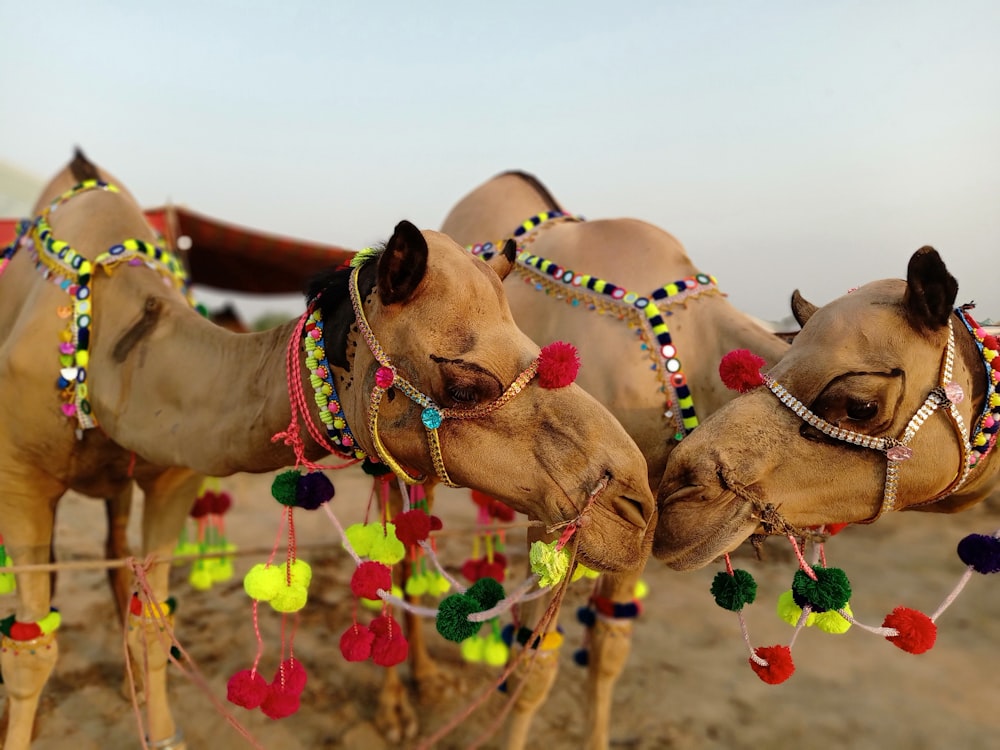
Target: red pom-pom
25	631
280	701
470	569
779	664
219	502
390	646
412	527
558	365
135	605
835	528
492	507
436	523
369	577
247	689
917	632
292	675
740	370
203	505
356	643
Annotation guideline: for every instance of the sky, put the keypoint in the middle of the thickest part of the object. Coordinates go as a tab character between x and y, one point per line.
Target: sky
787	144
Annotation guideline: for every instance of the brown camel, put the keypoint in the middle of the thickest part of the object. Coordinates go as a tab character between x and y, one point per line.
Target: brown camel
123	381
885	401
628	365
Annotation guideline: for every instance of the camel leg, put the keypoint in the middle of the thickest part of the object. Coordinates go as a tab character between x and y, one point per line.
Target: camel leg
26	523
118	508
168	500
610	644
535	674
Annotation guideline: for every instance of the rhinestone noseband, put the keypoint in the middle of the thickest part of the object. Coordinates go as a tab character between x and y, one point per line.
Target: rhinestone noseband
946	395
432	416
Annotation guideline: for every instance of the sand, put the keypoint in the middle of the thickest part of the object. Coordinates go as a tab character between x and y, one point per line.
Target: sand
687	686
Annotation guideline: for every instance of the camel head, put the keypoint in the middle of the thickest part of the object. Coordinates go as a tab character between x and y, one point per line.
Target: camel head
457	397
861	416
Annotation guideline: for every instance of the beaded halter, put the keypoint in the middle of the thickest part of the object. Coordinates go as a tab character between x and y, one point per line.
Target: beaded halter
944	396
72	272
645	314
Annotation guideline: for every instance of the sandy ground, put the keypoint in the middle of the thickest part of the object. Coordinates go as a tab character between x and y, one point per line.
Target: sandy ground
687	685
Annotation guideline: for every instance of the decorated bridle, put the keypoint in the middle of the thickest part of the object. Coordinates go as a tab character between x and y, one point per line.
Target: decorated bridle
946	395
556	366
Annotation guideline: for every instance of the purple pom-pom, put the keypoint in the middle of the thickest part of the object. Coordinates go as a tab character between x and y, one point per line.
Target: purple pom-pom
981	552
313	490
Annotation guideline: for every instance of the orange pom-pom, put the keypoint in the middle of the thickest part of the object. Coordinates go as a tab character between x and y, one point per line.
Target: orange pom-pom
740	370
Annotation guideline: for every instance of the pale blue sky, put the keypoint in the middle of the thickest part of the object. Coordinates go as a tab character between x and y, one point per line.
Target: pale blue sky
786	144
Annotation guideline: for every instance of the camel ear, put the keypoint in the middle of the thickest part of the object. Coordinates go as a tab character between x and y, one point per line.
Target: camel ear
802	309
503	262
402	265
930	290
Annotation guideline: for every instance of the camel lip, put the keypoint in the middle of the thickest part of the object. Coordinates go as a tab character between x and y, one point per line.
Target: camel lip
688	537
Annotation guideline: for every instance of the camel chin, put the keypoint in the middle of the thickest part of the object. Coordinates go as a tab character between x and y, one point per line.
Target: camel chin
696	526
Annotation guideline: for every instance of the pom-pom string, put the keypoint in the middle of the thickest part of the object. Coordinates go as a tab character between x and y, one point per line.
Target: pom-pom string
882	631
800	624
806	568
343	536
954	593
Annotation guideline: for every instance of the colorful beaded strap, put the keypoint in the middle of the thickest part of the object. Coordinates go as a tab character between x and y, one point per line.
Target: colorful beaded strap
645	316
73	273
984	435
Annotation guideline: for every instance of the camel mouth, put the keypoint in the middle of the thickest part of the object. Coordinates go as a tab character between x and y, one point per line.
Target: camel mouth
615	528
696	526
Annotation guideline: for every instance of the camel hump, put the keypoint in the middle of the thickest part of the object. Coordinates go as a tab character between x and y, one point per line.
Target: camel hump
82	168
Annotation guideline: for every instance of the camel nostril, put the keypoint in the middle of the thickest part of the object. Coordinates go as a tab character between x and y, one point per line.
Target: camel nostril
631	510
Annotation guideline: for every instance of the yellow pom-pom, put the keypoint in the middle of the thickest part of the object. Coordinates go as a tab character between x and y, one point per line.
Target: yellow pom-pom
301	573
262	582
641	589
221	571
790	612
361	535
200	578
289	599
473	649
386	547
496	652
417	585
437	584
549	565
7	583
833	622
50	622
185	549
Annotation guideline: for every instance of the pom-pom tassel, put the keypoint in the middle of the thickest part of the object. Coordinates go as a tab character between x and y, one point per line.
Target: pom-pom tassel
558	365
740	370
779	666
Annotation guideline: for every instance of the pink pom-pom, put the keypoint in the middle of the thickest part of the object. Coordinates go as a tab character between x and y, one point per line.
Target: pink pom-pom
740	370
779	664
280	702
390	646
247	689
292	675
917	632
558	365
412	526
369	577
356	643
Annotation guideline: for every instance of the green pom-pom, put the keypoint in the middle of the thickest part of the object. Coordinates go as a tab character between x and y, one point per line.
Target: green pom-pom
452	617
487	591
734	591
830	590
285	486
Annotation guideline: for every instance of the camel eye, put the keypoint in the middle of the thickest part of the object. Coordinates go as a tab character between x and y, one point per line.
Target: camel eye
462	395
862	411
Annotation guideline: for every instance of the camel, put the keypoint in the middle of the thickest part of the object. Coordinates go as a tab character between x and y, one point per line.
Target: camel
657	380
885	401
124	381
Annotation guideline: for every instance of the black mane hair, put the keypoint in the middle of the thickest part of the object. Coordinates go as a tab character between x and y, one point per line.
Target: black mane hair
330	289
